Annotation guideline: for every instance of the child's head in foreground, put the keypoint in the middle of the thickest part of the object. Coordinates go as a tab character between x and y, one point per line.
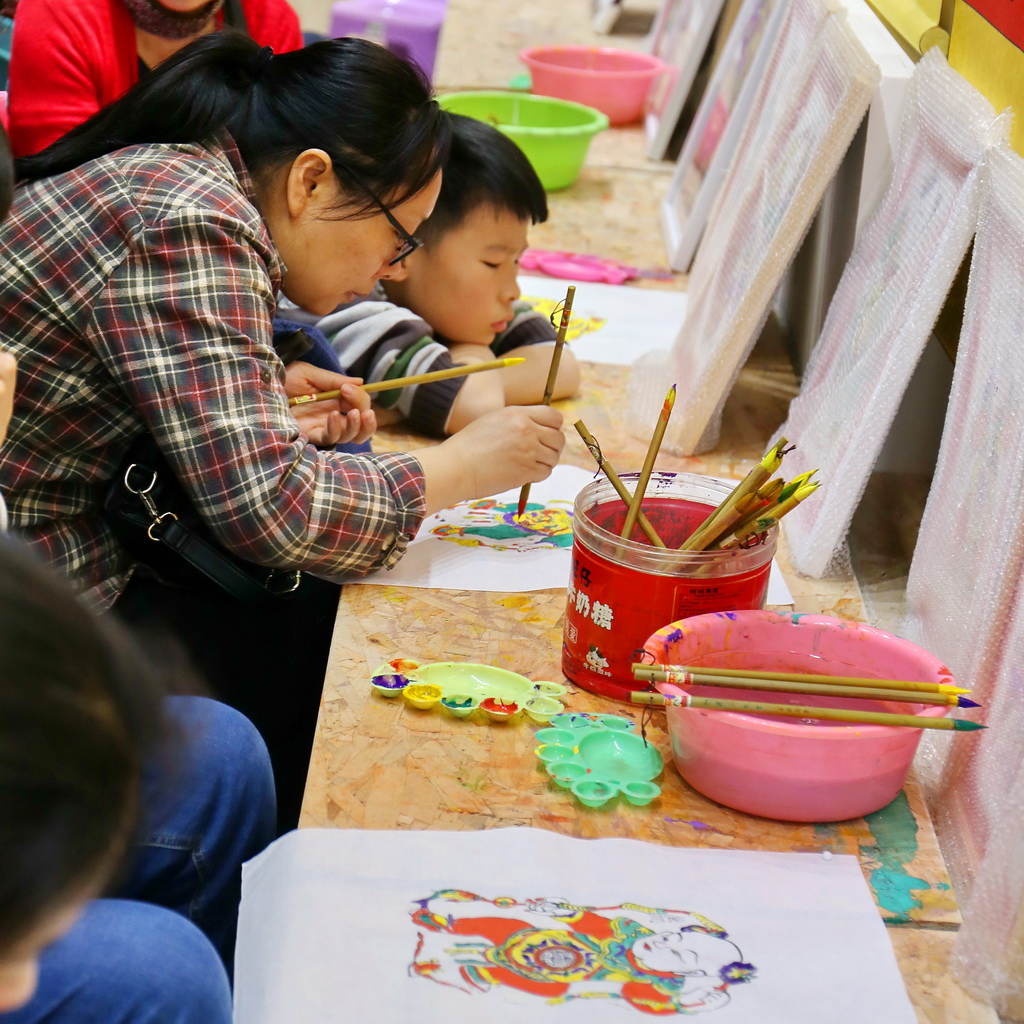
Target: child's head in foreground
79	711
463	280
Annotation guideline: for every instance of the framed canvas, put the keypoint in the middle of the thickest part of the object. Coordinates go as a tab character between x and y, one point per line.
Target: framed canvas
680	37
884	308
808	105
604	14
716	129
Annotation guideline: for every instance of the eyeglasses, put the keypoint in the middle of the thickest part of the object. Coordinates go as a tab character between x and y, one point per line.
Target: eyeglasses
410	243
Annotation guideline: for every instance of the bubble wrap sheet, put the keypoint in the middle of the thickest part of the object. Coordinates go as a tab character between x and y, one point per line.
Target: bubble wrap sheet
816	88
964	599
885	306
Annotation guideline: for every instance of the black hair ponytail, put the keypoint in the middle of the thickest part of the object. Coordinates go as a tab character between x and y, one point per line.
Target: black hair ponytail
369	110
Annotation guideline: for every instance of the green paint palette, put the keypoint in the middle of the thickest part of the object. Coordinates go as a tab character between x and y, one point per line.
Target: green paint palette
600	757
463	688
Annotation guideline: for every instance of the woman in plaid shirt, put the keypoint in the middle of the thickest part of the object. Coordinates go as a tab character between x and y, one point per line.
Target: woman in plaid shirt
150	245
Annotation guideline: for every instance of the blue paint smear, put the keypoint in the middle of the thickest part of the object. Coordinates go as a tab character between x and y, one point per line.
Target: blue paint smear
894	830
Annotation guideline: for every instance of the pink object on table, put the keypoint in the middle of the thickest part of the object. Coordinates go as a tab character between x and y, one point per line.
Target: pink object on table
574	266
783	768
616	82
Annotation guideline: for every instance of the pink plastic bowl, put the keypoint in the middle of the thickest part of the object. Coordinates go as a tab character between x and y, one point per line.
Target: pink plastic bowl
781	767
616	82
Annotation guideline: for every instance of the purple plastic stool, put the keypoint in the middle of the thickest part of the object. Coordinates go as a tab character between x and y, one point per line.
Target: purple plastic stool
409	28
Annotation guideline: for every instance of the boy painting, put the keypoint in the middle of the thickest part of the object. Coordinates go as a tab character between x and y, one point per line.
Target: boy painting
455	299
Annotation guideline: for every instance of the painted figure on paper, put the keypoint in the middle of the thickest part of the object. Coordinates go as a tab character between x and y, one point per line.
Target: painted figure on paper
656	961
578	326
493	524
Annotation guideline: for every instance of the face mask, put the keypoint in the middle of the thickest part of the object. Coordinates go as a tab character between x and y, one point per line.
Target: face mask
152	16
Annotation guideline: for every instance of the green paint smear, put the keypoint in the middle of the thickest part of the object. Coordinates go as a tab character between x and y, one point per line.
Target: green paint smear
560	540
894	830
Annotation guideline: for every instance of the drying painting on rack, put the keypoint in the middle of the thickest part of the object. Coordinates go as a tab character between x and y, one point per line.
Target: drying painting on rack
716	128
521	925
807	108
680	36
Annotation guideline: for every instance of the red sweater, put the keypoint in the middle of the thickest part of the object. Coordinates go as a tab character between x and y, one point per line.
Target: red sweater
69	58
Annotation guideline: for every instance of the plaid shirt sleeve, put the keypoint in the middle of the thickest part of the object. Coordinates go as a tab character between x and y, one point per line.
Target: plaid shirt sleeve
183	325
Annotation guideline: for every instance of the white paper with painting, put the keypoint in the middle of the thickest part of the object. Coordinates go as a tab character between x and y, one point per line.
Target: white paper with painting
481	545
611	323
519	926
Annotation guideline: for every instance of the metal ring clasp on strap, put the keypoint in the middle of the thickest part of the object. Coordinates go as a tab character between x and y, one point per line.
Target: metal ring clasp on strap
289	582
144	496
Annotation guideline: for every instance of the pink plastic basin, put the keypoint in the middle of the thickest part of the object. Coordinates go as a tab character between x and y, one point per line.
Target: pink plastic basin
783	768
616	82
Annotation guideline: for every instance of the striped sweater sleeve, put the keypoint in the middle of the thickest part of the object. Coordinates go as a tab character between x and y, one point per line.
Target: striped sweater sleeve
379	341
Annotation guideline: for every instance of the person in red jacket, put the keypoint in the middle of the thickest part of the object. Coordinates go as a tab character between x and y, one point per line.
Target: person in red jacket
69	58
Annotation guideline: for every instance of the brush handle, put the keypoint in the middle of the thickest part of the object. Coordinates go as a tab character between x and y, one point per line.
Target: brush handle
419	378
803	677
819	689
756	707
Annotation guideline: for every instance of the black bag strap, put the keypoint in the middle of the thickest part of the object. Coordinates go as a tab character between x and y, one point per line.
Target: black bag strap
167	529
215	567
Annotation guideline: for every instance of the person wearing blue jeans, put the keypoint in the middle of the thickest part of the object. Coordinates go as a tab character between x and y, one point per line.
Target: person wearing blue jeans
92	741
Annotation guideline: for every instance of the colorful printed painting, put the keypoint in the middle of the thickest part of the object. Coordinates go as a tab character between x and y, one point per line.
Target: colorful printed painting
481	545
578	325
655	961
611	323
489	522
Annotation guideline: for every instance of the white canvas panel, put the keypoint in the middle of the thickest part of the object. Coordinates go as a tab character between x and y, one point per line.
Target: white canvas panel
964	598
885	305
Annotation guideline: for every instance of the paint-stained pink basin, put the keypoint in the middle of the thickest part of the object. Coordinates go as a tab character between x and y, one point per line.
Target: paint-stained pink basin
784	768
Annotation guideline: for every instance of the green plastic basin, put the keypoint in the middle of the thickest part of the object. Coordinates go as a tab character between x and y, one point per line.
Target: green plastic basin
554	134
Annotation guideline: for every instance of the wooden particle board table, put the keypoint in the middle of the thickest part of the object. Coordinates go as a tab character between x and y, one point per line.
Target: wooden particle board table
381	764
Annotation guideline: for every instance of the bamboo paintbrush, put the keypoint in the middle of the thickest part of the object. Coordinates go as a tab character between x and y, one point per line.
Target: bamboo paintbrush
702	673
755	479
707	536
613	478
652	453
756	707
549	387
821	689
419	378
739	537
771	496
